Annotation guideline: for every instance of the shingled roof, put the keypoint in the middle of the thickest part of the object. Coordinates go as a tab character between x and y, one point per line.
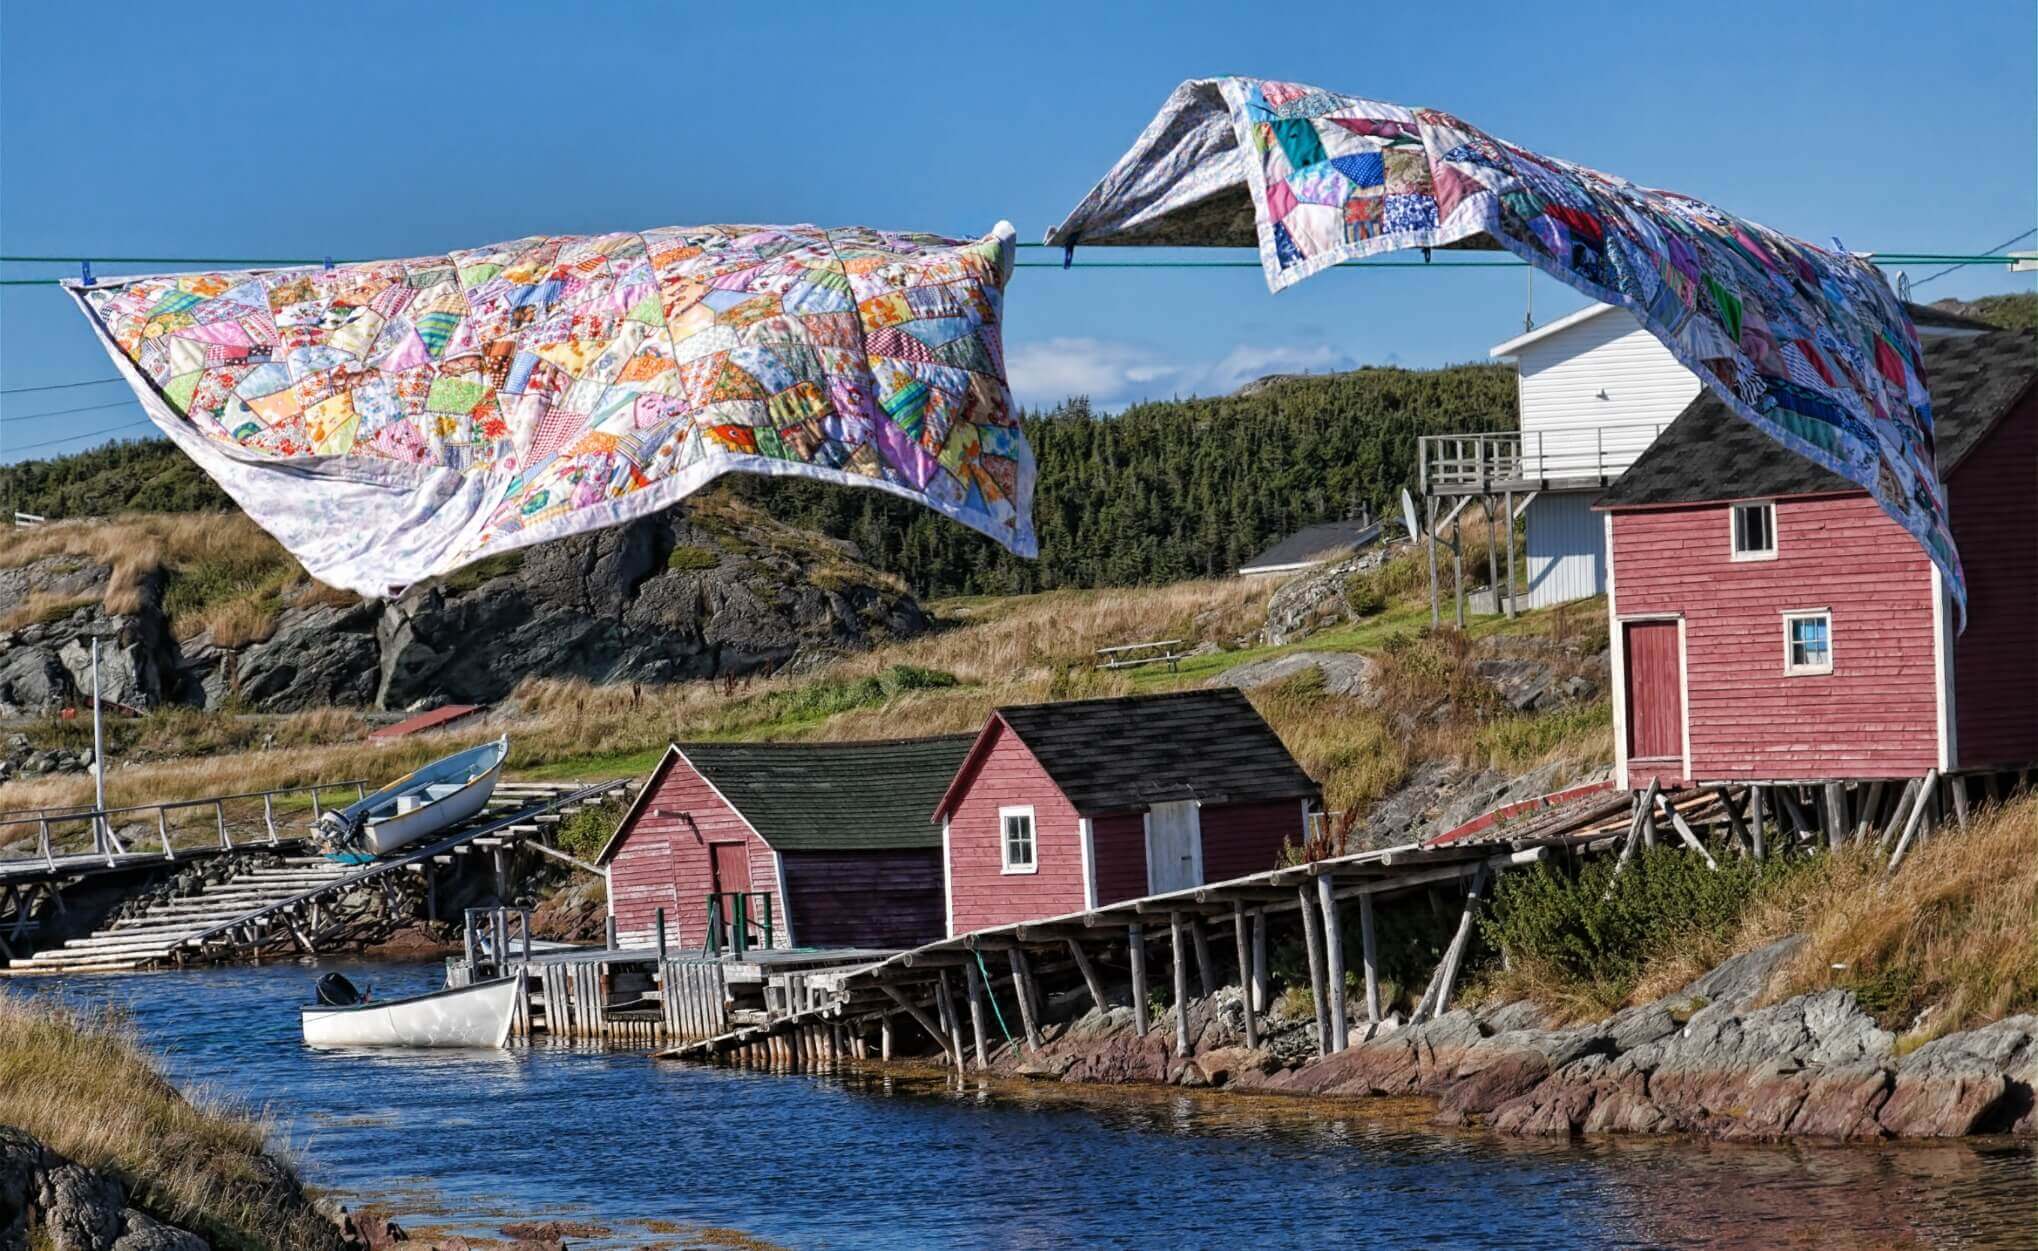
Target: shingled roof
1111	755
1314	545
866	796
1710	454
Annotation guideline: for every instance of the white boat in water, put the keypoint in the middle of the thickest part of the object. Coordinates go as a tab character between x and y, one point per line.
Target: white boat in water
462	1016
420	803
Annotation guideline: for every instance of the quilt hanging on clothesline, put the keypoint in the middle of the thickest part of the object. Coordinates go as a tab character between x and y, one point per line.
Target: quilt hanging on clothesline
1808	344
391	421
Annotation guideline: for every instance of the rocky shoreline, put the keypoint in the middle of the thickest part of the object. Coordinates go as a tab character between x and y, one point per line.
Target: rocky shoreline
1704	1061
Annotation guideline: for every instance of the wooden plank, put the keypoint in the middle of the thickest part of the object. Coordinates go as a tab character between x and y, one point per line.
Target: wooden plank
1447	973
1904	800
1135	949
1334	963
975	982
1090	978
1026	993
1180	959
1312	939
1919	806
1738	828
1245	965
1684	831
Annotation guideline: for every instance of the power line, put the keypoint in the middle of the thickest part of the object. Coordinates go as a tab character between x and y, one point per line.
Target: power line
1997	248
65	412
57	386
89	434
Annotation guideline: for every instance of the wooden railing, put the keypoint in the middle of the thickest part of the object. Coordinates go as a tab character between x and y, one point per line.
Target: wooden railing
1526	460
48	823
1134	655
733	926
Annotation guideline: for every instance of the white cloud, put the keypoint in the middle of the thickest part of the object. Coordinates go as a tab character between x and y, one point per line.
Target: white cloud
1114	373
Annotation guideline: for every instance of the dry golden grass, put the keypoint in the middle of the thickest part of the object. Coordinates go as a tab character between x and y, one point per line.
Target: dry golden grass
1954	930
81	1084
43	606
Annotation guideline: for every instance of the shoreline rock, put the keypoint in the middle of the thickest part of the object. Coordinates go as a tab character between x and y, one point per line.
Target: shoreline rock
1704	1061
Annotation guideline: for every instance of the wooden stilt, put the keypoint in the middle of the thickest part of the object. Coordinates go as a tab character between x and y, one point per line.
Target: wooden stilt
1090	978
1180	958
950	1020
1206	969
1245	975
1507	513
1334	961
1919	807
1429	514
1024	990
1756	819
1369	954
1958	785
1458	567
1788	796
975	979
1447	973
1312	939
884	1036
919	1015
1904	801
1836	815
1685	832
1262	998
1135	950
1735	826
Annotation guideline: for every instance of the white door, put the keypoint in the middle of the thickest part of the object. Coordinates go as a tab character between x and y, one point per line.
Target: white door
1174	847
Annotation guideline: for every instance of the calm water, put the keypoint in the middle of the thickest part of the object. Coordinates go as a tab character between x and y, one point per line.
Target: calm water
655	1153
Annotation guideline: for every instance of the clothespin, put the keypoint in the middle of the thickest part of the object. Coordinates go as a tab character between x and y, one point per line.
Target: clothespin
329	264
1425	256
85	272
1068	252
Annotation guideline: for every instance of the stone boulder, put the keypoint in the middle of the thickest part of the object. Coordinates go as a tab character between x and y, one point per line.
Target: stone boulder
1344	673
1318	598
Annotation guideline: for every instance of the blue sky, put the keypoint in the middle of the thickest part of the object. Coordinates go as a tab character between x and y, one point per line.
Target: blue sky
373	130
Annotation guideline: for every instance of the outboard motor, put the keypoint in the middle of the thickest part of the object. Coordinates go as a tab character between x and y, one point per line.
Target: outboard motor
335	991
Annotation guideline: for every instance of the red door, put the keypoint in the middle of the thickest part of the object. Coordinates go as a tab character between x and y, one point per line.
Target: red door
731	865
1655	690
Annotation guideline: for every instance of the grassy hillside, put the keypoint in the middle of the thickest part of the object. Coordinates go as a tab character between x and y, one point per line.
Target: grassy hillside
1157	494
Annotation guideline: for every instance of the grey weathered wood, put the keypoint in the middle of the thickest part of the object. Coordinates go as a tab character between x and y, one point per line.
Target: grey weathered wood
1919	807
1262	998
918	1014
1024	991
1180	958
1245	976
1627	850
1206	969
1958	786
1312	940
1448	974
1871	808
975	979
1684	831
1738	828
1756	820
1836	814
884	1035
1135	950
951	1020
1334	962
1370	955
1090	978
1904	800
1788	797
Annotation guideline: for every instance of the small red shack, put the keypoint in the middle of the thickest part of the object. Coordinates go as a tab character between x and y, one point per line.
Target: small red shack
1771	623
1066	806
834	834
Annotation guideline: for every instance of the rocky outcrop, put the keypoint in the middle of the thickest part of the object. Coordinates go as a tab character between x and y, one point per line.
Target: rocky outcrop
46	1200
1703	1061
1344	673
1319	598
716	591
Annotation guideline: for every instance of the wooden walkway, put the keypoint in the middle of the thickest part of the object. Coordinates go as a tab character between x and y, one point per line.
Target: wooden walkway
304	905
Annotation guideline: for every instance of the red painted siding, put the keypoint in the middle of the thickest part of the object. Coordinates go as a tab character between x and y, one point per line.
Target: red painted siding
1004	773
1246	838
662	861
1993	494
1876	714
1118	846
866	898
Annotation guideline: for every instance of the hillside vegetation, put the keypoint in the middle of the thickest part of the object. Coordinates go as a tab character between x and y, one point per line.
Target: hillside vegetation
1159	493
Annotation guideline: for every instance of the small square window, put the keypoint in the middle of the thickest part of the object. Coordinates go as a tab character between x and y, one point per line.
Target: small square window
1754	531
1016	839
1808	642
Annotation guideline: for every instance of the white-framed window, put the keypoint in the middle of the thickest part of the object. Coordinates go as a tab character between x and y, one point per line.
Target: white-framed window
1754	530
1808	641
1016	847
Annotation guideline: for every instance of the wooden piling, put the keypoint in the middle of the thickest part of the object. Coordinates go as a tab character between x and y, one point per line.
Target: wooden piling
1958	785
974	980
1312	939
1245	977
884	1035
1206	969
1024	990
1334	961
1836	815
1369	953
1756	820
1135	950
1262	998
950	1020
1437	1000
1919	806
1090	978
1180	960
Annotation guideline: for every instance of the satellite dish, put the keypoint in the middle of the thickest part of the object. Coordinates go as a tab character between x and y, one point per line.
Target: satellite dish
1408	514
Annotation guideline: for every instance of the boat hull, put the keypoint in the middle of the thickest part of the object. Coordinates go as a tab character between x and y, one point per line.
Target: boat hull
464	1016
382	837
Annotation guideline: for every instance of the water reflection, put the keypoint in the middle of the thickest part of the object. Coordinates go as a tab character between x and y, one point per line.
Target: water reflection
656	1154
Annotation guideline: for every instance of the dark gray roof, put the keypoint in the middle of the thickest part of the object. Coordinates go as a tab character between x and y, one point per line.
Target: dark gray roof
1709	454
1938	317
1111	755
1316	544
835	796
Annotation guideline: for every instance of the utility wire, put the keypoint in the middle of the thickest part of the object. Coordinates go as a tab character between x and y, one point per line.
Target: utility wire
1997	248
89	434
56	386
65	412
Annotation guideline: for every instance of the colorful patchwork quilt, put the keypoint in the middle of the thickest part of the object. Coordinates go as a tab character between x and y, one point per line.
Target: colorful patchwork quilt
394	420
1808	344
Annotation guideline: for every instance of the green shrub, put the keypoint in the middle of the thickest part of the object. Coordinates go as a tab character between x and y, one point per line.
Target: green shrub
1573	927
686	559
1365	595
468	577
583	833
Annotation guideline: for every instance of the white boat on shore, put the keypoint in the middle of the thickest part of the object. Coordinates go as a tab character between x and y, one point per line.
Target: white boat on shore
420	803
460	1016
